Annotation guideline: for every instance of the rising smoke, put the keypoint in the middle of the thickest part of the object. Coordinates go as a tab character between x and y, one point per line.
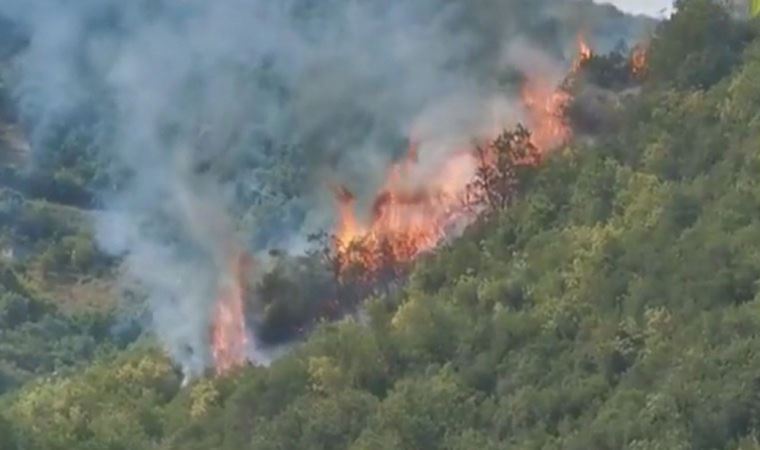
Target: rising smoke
226	122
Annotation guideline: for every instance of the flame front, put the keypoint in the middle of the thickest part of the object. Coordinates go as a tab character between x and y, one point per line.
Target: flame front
229	336
407	219
546	105
414	211
413	214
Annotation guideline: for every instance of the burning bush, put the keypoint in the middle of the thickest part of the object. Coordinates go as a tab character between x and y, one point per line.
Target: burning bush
358	261
502	166
600	86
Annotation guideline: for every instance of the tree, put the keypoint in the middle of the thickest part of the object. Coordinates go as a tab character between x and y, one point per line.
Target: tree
502	165
698	46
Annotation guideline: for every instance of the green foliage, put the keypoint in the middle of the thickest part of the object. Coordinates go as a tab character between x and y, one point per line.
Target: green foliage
7	435
317	422
106	407
37	338
75	253
698	46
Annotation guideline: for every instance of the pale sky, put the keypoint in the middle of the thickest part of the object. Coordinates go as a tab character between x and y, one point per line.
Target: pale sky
649	7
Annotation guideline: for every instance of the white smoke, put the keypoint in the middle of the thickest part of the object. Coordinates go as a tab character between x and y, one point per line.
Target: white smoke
226	118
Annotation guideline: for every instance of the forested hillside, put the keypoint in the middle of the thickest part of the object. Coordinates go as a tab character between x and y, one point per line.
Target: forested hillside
614	304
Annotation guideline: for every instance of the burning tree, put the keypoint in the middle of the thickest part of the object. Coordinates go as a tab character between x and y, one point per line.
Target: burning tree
501	167
363	259
229	335
638	61
412	213
617	70
362	266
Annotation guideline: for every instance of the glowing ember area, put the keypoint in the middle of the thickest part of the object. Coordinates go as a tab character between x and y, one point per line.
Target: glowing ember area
638	61
229	336
545	105
413	212
349	229
584	51
406	219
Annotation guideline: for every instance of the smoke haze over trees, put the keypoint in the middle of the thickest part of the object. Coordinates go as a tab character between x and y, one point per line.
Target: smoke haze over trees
612	304
220	125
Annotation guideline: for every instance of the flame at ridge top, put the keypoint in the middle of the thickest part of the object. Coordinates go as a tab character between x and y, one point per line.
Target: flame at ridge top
407	221
546	103
545	107
584	50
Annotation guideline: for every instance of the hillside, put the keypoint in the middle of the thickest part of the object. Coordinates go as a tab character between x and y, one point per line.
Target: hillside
613	305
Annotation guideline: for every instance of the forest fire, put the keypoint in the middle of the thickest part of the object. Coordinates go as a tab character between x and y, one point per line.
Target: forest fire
545	105
429	195
411	214
639	61
406	219
584	53
229	335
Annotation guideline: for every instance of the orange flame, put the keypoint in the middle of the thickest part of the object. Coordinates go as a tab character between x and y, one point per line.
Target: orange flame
348	227
413	214
639	61
229	336
546	105
584	50
406	219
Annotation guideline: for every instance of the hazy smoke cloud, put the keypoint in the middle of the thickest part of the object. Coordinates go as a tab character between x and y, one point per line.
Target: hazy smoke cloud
228	118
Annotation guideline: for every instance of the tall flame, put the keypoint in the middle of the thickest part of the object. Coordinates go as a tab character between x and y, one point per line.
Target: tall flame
545	105
407	219
229	336
584	51
584	54
413	213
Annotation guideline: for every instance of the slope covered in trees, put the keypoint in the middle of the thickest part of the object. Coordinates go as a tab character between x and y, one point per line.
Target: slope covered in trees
613	305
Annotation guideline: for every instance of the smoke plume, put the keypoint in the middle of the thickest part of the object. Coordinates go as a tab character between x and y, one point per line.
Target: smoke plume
222	124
